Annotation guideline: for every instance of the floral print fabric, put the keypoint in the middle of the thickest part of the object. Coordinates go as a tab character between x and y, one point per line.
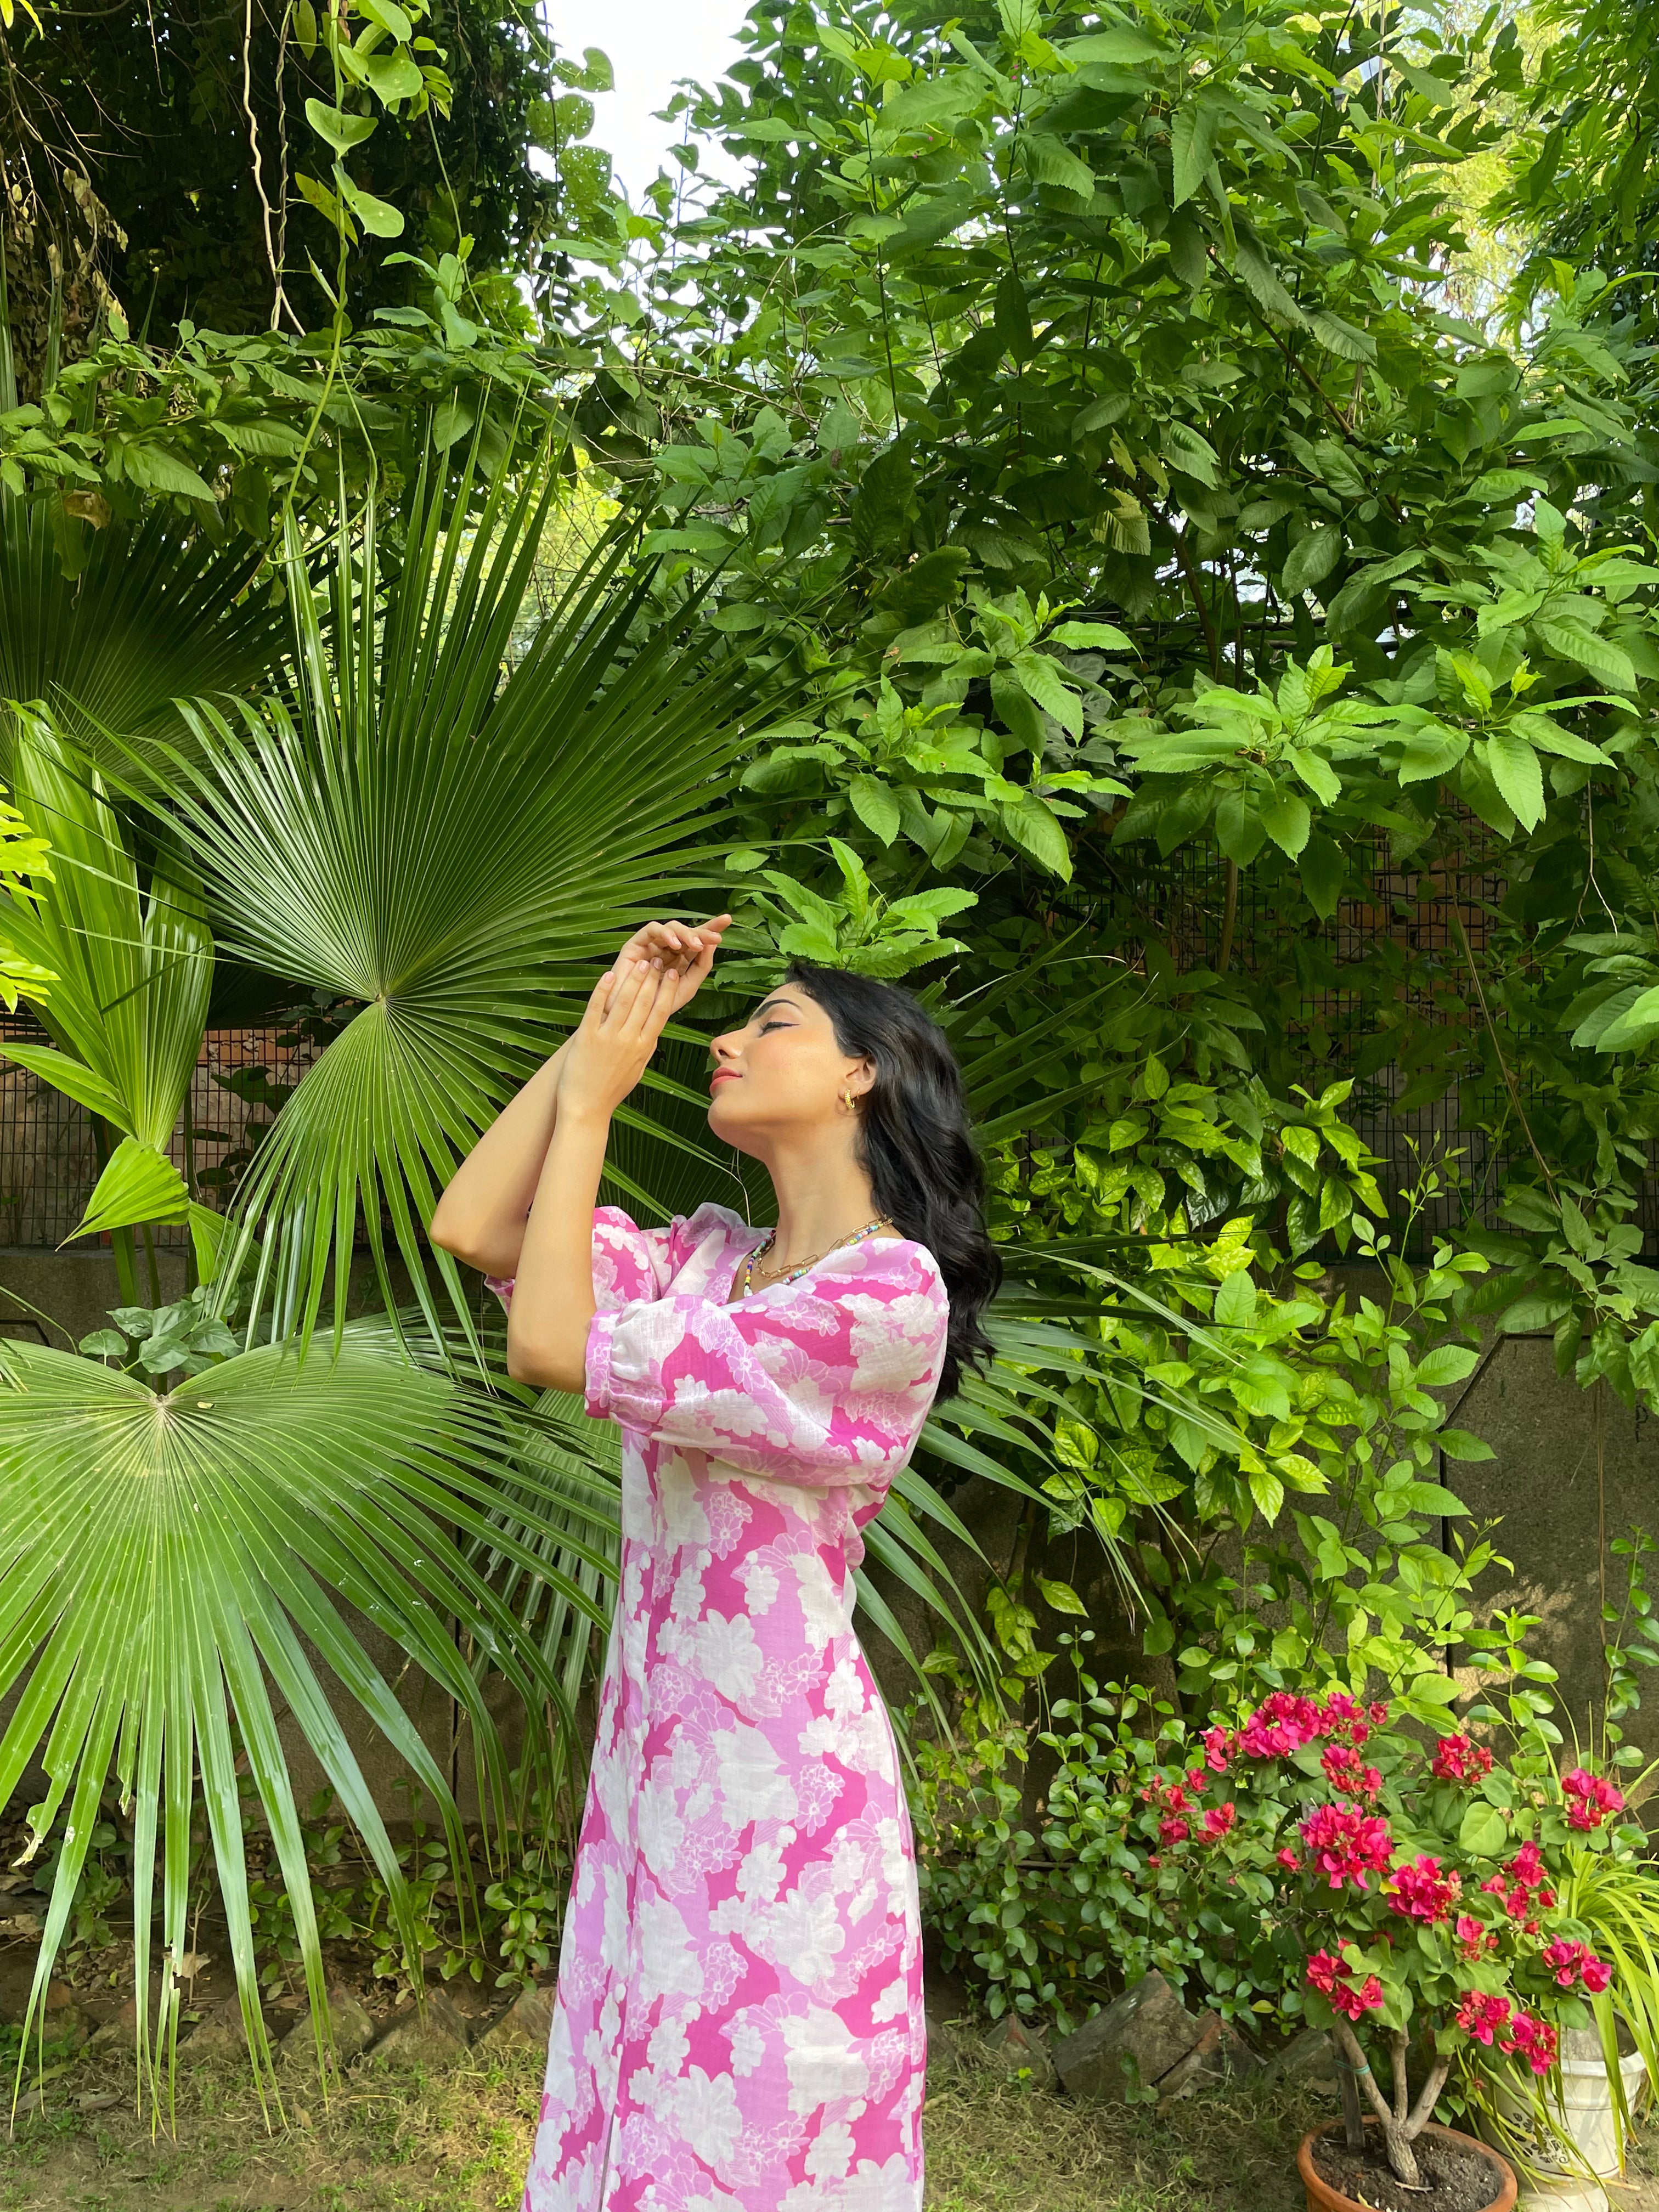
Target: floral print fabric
737	2022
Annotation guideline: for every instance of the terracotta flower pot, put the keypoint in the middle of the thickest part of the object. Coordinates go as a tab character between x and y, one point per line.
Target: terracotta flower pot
1321	2198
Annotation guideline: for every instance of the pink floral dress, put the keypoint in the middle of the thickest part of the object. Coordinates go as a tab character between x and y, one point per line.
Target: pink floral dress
738	2023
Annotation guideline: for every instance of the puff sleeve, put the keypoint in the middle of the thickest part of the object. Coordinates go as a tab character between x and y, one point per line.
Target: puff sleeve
825	1381
631	1263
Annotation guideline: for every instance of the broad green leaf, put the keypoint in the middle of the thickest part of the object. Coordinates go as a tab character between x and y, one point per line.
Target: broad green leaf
394	76
1287	821
876	806
1041	679
378	217
1515	772
1447	1363
139	1184
1092	637
1240	831
1311	559
1236	1301
1461	1445
1036	831
341	132
1061	1596
1324	871
1191	142
1483	1832
1636	1025
158	469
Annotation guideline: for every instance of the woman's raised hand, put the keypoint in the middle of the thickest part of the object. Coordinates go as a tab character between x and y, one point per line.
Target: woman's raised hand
688	948
611	1046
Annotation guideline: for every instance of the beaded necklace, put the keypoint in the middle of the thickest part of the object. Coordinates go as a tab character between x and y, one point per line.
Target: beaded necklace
747	1272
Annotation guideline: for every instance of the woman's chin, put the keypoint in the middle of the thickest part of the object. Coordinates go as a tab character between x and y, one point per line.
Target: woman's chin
728	1125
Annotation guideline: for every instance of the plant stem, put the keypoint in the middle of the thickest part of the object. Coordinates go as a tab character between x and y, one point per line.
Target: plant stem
1353	2125
1228	918
1397	2129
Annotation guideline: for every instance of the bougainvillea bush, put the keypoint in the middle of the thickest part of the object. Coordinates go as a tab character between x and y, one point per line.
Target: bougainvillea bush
1397	1891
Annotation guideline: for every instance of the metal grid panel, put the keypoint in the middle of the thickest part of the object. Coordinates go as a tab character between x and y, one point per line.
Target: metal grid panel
48	1150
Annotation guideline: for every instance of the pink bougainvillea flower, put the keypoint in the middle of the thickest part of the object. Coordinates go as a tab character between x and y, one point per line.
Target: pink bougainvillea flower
1527	1869
1535	2040
1576	1962
1474	1939
1421	1891
1342	1715
1172	1829
1345	1998
1347	1773
1280	1724
1217	1749
1379	1713
1217	1821
1593	1798
1347	1843
1332	1978
1323	1972
1287	1857
1459	1758
1482	2016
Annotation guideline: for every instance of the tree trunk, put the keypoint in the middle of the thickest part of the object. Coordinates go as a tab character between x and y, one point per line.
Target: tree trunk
1401	2157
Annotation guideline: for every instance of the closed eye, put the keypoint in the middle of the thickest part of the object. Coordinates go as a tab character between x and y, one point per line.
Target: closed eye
775	1026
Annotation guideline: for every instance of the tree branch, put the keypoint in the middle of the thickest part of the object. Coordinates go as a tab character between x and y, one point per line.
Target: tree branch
1423	2110
1348	2042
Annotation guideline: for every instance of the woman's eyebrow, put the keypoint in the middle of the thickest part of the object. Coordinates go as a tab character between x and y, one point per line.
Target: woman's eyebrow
766	1007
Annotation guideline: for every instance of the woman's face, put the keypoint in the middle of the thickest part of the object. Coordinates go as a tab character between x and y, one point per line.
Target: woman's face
782	1074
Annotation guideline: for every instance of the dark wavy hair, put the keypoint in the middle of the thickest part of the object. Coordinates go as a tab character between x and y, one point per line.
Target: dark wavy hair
914	1144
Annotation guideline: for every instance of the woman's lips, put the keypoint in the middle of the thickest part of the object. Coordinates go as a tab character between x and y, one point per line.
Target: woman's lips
723	1075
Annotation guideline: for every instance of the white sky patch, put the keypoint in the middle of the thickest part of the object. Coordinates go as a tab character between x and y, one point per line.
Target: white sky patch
651	44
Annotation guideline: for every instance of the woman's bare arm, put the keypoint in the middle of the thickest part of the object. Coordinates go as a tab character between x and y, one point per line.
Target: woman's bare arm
481	1217
553	1301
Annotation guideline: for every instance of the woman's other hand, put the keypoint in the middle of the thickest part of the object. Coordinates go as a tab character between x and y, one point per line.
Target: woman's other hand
686	947
613	1045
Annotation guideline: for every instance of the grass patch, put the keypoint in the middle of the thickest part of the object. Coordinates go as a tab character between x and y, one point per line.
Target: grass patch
459	2141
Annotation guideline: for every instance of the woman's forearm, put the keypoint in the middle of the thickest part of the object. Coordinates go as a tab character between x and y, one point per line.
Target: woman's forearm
553	1301
481	1216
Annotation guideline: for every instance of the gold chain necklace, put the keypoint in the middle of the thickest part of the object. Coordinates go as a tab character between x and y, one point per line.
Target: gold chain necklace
747	1272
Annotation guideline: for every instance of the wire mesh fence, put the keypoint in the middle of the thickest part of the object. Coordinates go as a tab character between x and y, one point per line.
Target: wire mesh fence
49	1147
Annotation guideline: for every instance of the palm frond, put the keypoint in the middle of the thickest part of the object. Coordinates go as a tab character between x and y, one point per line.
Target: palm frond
169	1561
152	613
452	844
134	971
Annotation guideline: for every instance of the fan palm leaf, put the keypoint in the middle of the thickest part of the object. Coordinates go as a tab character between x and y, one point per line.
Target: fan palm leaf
170	1558
152	613
452	845
132	968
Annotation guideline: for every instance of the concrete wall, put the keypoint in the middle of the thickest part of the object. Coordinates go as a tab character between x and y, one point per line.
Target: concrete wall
1574	1471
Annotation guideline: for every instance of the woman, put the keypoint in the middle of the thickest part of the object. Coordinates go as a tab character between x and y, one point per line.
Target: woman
738	2016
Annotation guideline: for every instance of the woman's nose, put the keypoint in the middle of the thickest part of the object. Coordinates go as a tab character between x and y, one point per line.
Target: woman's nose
723	1047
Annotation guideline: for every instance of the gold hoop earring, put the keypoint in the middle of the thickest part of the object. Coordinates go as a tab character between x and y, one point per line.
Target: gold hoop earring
847	1101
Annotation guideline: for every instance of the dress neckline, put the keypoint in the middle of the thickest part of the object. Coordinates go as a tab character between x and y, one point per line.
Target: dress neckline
740	1252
